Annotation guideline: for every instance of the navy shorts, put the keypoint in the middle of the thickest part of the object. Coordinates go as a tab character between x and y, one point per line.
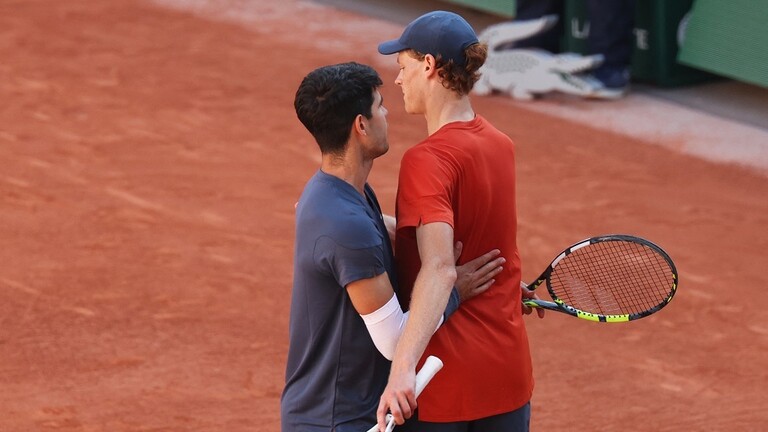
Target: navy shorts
518	420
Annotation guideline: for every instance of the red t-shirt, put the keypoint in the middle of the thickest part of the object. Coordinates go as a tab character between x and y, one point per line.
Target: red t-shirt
464	175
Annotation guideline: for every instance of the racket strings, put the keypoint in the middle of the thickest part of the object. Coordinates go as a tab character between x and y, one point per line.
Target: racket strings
613	278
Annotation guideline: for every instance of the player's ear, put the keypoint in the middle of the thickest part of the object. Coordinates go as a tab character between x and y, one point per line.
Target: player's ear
430	63
359	126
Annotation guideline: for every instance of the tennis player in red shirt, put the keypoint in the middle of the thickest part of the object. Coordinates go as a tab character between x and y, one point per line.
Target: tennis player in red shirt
456	185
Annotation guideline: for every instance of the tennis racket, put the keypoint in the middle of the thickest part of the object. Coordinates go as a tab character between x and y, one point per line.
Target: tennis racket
431	366
613	278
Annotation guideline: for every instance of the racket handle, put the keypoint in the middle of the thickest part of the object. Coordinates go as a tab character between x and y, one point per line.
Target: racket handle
542	304
531	303
431	367
427	372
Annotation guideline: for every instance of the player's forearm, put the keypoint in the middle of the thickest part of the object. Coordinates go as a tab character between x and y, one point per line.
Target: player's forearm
430	295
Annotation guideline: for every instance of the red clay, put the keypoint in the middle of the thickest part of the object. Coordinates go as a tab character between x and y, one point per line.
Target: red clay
150	162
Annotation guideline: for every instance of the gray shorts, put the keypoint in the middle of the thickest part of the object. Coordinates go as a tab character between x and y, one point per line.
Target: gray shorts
515	421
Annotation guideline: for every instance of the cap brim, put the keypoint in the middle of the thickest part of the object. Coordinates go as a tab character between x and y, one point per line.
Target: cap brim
391	47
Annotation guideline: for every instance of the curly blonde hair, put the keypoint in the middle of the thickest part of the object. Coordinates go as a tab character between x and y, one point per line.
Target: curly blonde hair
456	77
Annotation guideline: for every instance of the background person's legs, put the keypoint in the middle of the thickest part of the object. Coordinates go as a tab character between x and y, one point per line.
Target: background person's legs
532	9
610	34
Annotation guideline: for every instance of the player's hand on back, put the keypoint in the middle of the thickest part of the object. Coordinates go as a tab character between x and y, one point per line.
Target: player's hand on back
477	275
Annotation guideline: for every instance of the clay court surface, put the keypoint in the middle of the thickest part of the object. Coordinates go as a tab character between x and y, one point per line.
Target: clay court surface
150	160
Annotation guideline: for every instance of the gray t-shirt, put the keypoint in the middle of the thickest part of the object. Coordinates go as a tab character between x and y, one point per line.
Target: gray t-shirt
334	374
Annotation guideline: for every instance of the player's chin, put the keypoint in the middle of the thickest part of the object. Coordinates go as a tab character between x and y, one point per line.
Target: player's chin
381	150
413	111
409	108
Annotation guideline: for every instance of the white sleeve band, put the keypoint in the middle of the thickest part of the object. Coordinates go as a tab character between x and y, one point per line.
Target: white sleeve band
386	324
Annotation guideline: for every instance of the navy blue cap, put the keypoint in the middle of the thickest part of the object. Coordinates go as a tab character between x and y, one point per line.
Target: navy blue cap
438	32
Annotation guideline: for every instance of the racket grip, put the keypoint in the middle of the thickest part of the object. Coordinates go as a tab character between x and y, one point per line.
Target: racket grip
542	304
431	366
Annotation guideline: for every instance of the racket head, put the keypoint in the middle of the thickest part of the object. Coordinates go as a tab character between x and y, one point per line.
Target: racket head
612	278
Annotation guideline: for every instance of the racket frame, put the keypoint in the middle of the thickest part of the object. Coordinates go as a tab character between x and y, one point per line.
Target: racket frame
559	305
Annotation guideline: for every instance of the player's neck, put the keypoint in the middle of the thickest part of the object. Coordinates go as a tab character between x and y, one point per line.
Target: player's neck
349	168
446	108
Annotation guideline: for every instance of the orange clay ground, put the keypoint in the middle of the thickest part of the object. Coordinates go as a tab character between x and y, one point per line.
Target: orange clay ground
150	159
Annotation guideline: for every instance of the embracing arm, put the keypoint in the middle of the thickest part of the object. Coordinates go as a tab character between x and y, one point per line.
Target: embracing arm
430	295
377	304
385	320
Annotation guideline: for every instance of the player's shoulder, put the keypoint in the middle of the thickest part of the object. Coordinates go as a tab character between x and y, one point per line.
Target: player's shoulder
333	209
439	151
327	191
350	227
426	149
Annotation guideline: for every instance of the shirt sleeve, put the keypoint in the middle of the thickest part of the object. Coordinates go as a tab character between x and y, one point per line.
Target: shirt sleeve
425	191
348	264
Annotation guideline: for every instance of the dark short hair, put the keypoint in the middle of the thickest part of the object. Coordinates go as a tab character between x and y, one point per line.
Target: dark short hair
331	97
